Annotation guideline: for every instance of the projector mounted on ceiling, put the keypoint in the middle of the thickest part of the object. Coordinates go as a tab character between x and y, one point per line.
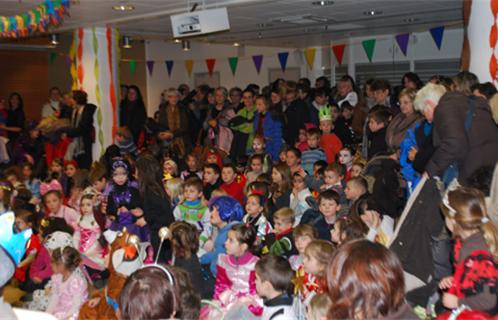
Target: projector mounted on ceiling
199	22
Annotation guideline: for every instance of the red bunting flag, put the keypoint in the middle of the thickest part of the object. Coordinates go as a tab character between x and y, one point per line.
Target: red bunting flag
210	65
338	50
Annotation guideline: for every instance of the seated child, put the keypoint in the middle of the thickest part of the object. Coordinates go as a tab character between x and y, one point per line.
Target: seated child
69	286
235	275
377	123
311	277
225	212
281	242
31	183
346	159
185	245
255	168
259	147
328	212
298	197
319	307
174	190
303	235
256	215
170	169
233	183
192	210
348	228
293	160
329	142
355	188
273	281
125	143
25	220
356	169
53	198
333	180
192	168
314	153
211	178
315	181
381	227
302	140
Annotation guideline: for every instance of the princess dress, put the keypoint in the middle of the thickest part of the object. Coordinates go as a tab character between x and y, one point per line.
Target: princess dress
86	236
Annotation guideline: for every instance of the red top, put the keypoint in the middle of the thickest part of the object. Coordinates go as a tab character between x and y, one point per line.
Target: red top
331	144
235	189
33	247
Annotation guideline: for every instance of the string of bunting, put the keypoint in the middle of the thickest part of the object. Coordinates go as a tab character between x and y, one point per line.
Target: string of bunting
49	13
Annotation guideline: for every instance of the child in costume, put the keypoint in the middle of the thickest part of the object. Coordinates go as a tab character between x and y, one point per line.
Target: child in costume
225	212
233	183
26	220
123	202
235	276
329	142
281	242
257	215
53	200
192	210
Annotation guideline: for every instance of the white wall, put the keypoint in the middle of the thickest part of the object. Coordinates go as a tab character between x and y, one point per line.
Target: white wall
246	73
421	46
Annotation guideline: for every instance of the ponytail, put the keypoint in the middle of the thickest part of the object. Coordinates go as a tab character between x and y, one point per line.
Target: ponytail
490	234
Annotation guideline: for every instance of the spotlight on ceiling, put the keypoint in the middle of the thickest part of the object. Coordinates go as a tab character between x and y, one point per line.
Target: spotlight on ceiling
185	45
54	39
236	44
322	3
372	12
123	7
177	41
126	42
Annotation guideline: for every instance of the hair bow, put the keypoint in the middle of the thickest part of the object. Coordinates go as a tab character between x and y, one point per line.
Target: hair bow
53	185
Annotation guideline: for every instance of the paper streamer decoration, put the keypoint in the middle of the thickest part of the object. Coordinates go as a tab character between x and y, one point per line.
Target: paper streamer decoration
133	66
402	40
79	55
169	66
189	64
309	54
437	35
112	90
52	57
282	58
48	14
210	65
369	47
258	61
150	66
98	97
233	62
338	50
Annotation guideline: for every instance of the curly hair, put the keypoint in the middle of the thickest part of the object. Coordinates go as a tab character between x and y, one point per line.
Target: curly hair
229	209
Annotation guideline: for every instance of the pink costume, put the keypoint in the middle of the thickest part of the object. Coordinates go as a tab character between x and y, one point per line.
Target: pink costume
86	236
67	296
236	282
41	266
69	214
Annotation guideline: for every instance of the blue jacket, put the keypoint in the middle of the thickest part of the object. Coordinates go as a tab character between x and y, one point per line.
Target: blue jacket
272	131
211	258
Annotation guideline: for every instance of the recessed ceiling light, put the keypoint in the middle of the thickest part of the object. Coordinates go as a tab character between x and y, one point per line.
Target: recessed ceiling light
322	3
236	44
177	40
410	20
372	12
123	7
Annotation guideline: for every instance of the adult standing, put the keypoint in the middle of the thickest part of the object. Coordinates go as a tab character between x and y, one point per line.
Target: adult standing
82	130
174	125
296	115
132	112
156	206
15	117
242	126
53	104
465	135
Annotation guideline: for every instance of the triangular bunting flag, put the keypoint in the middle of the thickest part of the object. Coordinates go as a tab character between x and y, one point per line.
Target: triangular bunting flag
369	46
52	57
258	61
133	66
189	65
402	40
210	65
338	50
309	54
282	58
169	66
437	35
150	67
233	61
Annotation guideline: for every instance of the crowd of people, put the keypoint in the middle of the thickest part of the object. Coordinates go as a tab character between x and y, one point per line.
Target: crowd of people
290	201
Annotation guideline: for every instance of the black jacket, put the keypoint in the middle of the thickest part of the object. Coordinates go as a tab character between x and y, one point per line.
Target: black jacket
132	114
297	115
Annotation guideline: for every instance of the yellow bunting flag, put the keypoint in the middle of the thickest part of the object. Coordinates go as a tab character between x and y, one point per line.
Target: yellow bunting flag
309	54
189	64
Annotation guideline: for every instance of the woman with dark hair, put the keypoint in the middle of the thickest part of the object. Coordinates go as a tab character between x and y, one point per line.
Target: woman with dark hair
149	293
411	80
156	206
132	112
15	117
365	281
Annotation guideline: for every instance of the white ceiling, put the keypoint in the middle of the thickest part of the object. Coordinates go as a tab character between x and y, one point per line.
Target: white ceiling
260	21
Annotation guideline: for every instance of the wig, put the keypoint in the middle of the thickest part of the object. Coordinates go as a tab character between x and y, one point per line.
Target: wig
229	209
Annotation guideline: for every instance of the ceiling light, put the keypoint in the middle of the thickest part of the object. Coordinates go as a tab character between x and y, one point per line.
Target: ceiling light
123	7
410	20
260	35
54	39
177	40
126	42
236	44
322	3
372	12
185	45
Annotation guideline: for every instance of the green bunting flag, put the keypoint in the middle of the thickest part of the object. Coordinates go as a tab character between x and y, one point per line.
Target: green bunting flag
369	46
233	61
133	66
52	57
